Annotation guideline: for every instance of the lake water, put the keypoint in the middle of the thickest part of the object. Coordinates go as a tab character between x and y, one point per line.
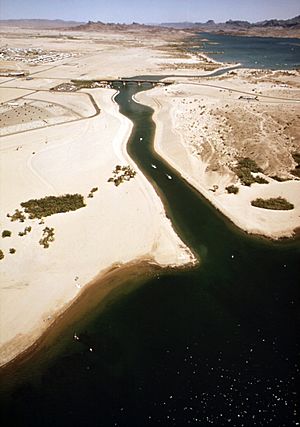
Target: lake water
214	345
252	52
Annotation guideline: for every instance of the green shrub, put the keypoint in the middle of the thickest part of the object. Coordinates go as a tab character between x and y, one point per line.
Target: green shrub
121	174
296	171
39	208
248	163
80	84
93	190
232	189
26	230
279	178
296	157
1	254
260	180
6	233
48	236
244	171
277	204
245	176
17	216
12	251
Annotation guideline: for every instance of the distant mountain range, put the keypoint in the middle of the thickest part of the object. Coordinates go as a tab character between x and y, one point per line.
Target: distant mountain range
135	26
38	23
293	23
80	26
272	26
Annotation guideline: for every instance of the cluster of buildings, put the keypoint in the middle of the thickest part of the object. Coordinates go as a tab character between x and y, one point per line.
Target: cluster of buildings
32	55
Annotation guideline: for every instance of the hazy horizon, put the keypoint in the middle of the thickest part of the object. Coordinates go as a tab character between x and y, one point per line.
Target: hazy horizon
149	11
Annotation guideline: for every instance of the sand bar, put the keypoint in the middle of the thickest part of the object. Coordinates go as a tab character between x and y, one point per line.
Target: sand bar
195	138
77	149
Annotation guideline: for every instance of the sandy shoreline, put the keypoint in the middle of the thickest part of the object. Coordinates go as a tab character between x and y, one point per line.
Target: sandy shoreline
55	144
96	295
149	232
118	225
176	142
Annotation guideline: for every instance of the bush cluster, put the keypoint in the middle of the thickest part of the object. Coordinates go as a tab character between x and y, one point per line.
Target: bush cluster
121	174
17	216
39	208
83	84
279	178
1	254
296	157
244	171
48	236
232	189
26	230
248	163
261	180
6	233
278	204
93	190
296	171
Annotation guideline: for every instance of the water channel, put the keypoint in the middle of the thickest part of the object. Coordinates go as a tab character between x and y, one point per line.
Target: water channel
212	345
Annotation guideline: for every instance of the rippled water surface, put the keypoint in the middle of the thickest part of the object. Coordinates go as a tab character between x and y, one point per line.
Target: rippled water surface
214	345
251	52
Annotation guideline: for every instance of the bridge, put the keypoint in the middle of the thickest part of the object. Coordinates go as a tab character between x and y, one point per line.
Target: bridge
125	81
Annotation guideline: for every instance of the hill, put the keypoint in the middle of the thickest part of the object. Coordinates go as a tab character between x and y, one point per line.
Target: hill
288	23
38	23
272	27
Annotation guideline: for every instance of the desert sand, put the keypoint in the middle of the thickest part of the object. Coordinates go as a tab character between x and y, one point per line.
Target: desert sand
64	143
203	128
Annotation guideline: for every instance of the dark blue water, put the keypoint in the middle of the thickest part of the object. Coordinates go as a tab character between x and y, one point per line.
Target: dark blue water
252	52
216	345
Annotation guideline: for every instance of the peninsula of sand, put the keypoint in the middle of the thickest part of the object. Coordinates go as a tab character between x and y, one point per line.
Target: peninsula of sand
74	204
236	139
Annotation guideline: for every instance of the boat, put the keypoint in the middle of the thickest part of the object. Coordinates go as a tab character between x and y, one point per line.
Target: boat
141	139
168	176
153	166
76	337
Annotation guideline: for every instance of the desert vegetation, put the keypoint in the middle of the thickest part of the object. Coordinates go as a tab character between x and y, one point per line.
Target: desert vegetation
296	171
75	85
6	233
50	205
91	193
279	178
278	204
12	250
26	230
121	174
48	236
1	254
17	216
232	189
244	170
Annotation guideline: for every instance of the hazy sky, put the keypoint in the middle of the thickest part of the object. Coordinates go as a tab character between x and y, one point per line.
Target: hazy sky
149	11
